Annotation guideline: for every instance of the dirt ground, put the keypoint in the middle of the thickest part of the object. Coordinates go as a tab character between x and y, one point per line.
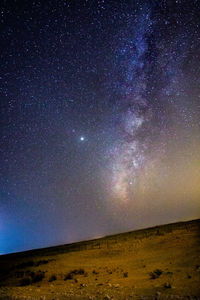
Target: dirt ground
156	263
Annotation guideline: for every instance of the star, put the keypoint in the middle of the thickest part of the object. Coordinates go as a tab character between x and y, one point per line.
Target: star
82	138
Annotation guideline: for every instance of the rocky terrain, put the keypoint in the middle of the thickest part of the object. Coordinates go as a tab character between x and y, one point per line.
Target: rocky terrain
162	262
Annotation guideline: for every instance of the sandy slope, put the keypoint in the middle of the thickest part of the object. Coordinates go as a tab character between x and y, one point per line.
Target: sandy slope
156	263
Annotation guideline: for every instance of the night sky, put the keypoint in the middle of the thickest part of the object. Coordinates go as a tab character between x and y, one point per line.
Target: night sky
100	118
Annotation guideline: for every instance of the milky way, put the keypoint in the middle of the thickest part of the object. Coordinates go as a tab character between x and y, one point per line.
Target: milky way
100	118
150	91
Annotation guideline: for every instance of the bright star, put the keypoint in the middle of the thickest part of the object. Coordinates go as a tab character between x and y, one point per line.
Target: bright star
82	138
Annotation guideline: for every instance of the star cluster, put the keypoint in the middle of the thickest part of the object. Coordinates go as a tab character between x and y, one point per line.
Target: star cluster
100	118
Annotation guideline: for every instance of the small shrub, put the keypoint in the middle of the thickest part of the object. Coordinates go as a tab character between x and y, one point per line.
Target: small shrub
25	281
41	262
125	274
197	268
169	273
156	273
36	277
167	285
95	272
52	278
69	276
79	271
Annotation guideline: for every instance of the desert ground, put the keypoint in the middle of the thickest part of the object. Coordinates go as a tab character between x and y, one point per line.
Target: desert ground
161	262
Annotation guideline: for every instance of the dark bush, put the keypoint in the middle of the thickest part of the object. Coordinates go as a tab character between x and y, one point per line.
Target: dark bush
38	276
78	271
197	268
167	285
169	273
125	274
156	273
52	278
71	274
41	262
68	276
25	281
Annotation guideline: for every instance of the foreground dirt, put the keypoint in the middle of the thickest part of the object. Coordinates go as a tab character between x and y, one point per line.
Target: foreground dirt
156	263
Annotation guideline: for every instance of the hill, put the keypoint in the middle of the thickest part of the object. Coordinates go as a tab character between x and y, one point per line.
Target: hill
161	262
